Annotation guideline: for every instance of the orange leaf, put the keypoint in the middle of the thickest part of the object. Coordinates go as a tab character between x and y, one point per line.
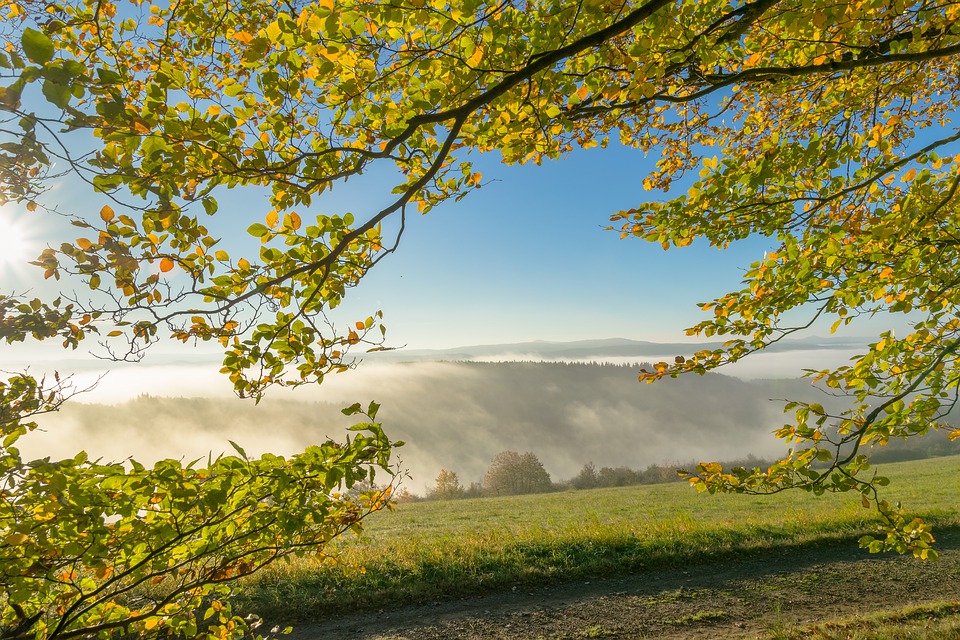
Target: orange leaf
166	265
103	573
106	214
294	220
83	243
243	37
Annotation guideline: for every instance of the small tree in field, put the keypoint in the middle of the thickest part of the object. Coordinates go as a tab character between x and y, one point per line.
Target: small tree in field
513	473
448	486
587	478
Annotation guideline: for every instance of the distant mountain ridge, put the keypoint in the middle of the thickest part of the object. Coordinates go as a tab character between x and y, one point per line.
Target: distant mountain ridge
596	349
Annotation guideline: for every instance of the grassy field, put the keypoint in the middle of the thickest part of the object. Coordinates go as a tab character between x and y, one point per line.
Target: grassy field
937	621
435	550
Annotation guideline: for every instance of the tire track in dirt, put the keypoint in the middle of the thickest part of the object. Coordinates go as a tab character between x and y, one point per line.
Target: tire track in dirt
737	597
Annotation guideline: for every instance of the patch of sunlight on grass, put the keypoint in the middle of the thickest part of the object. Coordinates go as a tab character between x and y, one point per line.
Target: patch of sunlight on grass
937	621
434	550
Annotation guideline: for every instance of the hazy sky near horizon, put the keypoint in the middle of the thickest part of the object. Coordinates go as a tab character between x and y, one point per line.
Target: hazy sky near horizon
527	257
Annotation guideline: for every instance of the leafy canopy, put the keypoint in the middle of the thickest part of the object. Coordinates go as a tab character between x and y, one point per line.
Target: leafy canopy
93	549
825	126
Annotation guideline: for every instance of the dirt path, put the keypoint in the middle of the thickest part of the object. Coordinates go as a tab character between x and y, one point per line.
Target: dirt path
737	598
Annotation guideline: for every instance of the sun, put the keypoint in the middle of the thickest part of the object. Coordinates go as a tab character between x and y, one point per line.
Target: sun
15	241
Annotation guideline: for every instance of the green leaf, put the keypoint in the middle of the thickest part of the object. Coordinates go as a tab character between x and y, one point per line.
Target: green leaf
108	76
238	449
352	409
258	230
37	46
56	93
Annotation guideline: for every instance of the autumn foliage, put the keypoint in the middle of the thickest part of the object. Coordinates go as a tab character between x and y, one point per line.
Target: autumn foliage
824	126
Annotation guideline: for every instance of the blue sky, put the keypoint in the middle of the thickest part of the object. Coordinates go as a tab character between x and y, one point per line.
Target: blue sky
526	257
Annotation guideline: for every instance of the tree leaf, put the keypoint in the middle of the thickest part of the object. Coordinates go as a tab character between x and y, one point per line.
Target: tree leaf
56	93
257	230
38	47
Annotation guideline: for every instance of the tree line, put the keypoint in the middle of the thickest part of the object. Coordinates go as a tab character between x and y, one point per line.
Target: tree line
511	473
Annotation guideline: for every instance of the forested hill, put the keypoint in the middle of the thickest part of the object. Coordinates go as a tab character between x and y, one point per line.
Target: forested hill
459	416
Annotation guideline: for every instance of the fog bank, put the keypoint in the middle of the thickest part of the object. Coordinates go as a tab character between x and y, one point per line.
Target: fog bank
452	415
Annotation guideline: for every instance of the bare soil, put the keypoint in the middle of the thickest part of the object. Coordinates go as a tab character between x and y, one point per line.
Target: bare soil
741	597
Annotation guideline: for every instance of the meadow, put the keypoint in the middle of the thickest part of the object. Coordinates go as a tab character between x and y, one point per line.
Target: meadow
432	551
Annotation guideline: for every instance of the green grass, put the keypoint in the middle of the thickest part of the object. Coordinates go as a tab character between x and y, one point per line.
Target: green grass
937	621
437	550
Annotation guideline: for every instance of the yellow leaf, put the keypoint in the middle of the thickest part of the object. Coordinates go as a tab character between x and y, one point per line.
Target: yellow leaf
31	206
16	539
272	218
909	175
273	31
214	110
83	243
243	264
166	265
294	220
106	214
243	37
114	334
326	4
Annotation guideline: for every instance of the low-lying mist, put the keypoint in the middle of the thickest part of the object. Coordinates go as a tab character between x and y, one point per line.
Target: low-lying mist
453	415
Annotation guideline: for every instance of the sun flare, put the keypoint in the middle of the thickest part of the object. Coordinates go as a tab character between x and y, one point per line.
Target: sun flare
14	242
